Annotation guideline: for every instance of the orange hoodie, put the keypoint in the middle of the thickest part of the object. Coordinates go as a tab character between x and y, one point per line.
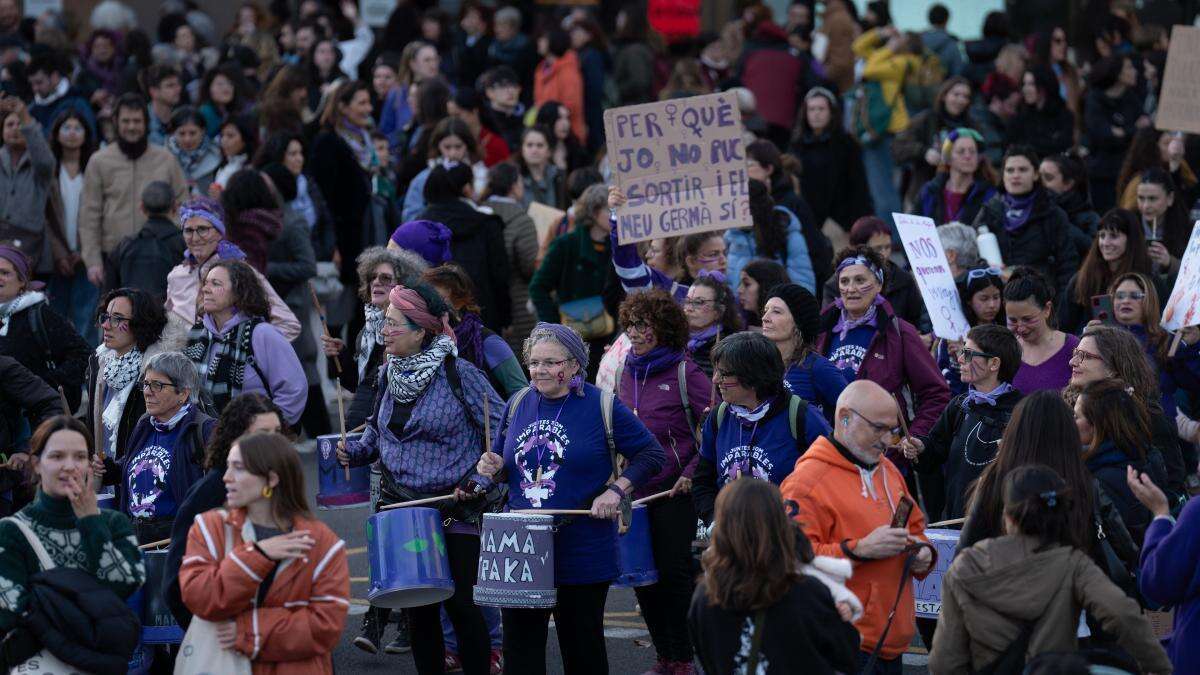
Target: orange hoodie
562	81
840	501
300	621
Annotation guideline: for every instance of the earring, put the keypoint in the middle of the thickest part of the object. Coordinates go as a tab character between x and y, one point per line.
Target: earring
266	492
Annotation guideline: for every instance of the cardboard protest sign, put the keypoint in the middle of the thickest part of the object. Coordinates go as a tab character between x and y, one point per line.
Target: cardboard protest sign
932	271
1183	306
681	164
1179	103
927	592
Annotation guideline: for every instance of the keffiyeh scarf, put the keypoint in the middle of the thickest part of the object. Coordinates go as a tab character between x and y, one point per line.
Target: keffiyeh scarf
409	376
370	336
119	374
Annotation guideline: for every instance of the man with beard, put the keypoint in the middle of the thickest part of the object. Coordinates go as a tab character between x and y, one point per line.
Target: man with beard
113	183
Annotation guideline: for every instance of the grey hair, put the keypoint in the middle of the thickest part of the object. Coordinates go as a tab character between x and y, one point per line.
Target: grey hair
407	265
961	238
509	15
539	335
177	368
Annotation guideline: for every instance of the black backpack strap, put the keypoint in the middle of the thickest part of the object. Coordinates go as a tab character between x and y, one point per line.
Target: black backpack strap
37	325
455	381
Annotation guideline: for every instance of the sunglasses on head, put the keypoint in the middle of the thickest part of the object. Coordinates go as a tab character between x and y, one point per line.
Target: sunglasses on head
983	272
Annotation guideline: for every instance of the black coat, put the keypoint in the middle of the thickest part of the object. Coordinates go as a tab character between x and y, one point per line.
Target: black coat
1044	242
820	250
1106	150
205	494
961	444
67	352
834	182
22	394
931	200
901	293
802	633
347	191
1083	216
144	259
1049	130
135	407
477	245
1109	465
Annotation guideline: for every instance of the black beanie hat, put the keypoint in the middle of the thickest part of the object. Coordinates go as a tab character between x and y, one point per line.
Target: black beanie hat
804	308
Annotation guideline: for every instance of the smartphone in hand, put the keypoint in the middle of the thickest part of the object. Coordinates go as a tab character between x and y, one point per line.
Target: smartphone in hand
903	512
1102	309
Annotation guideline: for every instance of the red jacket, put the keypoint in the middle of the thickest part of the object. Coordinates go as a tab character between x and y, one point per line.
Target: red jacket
561	81
837	504
299	623
495	150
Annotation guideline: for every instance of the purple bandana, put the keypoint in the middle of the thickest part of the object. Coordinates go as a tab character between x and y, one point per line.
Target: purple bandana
1017	210
845	324
698	338
654	361
976	397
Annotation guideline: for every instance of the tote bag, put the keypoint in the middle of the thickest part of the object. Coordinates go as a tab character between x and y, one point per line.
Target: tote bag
201	653
42	663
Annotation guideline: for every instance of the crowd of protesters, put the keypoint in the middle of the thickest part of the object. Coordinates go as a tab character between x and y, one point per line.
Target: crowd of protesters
175	202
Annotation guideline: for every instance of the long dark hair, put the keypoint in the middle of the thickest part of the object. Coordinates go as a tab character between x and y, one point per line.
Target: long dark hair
248	294
1175	228
770	226
235	419
751	562
1143	154
731	315
1094	275
266	453
1117	417
89	138
1041	431
767	274
246	190
1040	503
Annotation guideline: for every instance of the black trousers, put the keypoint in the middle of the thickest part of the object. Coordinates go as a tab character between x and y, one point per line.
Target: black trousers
425	623
579	621
665	604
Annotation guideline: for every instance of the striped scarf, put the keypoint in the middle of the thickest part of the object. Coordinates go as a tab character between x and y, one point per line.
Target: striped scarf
223	374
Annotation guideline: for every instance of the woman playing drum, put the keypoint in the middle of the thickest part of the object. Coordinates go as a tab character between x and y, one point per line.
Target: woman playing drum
418	430
557	456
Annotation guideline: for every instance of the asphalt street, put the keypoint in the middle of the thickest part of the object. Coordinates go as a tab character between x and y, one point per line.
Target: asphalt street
629	649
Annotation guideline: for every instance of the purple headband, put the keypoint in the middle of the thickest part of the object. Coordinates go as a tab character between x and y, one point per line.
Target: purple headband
865	262
574	345
21	264
206	208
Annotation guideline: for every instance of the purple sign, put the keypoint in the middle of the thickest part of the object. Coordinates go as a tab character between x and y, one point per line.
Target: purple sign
927	592
516	561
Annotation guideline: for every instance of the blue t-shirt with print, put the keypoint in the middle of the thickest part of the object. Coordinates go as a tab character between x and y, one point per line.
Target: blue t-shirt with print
847	355
148	475
816	380
763	449
556	457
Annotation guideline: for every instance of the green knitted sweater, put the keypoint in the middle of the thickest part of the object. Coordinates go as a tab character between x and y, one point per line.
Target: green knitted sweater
102	544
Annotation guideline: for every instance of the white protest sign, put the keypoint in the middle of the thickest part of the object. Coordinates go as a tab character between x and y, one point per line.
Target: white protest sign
928	261
1183	307
681	164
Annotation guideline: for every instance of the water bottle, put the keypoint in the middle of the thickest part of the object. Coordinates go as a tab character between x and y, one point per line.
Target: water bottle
989	247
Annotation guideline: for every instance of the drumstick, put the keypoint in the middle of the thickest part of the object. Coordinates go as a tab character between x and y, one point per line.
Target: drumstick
903	422
337	363
556	512
154	544
416	502
652	497
944	523
337	383
358	428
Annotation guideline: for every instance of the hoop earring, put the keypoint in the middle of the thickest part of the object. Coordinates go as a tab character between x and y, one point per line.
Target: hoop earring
267	491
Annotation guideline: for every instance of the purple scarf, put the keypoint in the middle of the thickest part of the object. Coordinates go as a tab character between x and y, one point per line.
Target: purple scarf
976	397
845	324
654	361
469	336
698	338
1017	210
226	250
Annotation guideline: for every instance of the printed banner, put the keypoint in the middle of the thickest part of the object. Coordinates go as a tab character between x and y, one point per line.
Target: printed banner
1183	307
932	271
681	164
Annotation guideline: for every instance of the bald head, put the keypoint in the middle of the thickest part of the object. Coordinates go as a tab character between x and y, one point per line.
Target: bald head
866	413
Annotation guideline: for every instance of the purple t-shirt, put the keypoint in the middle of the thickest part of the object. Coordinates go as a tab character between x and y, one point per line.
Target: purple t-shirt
1054	373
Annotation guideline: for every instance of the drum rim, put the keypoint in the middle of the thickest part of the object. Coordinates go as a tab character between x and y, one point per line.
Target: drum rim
509	515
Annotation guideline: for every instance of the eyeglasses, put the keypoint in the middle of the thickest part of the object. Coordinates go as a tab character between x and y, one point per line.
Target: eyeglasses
638	326
983	272
201	231
115	320
711	257
155	386
880	429
1082	355
383	278
1129	295
393	326
546	363
968	354
696	303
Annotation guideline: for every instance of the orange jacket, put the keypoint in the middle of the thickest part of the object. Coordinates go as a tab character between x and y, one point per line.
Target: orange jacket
296	628
561	81
838	502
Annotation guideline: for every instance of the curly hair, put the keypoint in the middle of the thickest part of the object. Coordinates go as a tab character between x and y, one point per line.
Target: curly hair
233	423
406	267
664	316
147	318
249	297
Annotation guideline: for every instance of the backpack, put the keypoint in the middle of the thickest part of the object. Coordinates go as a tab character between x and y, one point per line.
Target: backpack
870	113
797	417
143	261
681	375
75	617
920	90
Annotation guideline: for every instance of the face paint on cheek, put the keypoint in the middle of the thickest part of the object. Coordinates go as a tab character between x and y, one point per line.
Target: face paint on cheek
561	377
